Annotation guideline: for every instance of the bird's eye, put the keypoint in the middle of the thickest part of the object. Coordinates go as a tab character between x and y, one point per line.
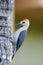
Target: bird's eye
23	22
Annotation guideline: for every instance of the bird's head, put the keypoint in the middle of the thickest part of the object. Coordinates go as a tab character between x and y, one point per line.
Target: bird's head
24	22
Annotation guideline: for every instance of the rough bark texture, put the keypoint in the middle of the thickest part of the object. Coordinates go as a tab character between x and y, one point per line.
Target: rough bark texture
6	52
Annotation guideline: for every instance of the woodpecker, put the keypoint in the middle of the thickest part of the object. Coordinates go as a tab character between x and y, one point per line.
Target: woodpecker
20	35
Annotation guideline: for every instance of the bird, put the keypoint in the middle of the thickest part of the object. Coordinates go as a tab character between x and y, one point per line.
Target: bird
19	35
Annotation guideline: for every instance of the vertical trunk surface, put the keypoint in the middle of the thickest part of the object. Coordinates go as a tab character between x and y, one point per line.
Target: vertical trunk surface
6	48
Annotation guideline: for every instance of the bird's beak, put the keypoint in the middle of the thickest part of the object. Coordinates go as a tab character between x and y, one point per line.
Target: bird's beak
19	24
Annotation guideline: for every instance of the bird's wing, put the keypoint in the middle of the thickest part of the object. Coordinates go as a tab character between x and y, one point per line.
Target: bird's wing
19	42
20	39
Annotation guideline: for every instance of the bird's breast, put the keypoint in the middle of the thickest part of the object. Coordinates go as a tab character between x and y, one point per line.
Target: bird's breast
16	36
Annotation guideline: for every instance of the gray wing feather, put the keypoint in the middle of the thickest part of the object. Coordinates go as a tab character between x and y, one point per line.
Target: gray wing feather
20	39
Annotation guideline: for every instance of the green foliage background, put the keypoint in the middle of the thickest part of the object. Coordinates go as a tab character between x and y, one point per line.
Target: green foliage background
31	52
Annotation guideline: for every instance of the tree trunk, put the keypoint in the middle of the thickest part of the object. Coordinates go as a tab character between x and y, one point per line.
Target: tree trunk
6	48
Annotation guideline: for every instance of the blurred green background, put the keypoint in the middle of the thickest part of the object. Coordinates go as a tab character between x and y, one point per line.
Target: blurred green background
31	52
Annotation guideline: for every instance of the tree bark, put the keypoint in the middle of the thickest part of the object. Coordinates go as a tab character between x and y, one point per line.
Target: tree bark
6	48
